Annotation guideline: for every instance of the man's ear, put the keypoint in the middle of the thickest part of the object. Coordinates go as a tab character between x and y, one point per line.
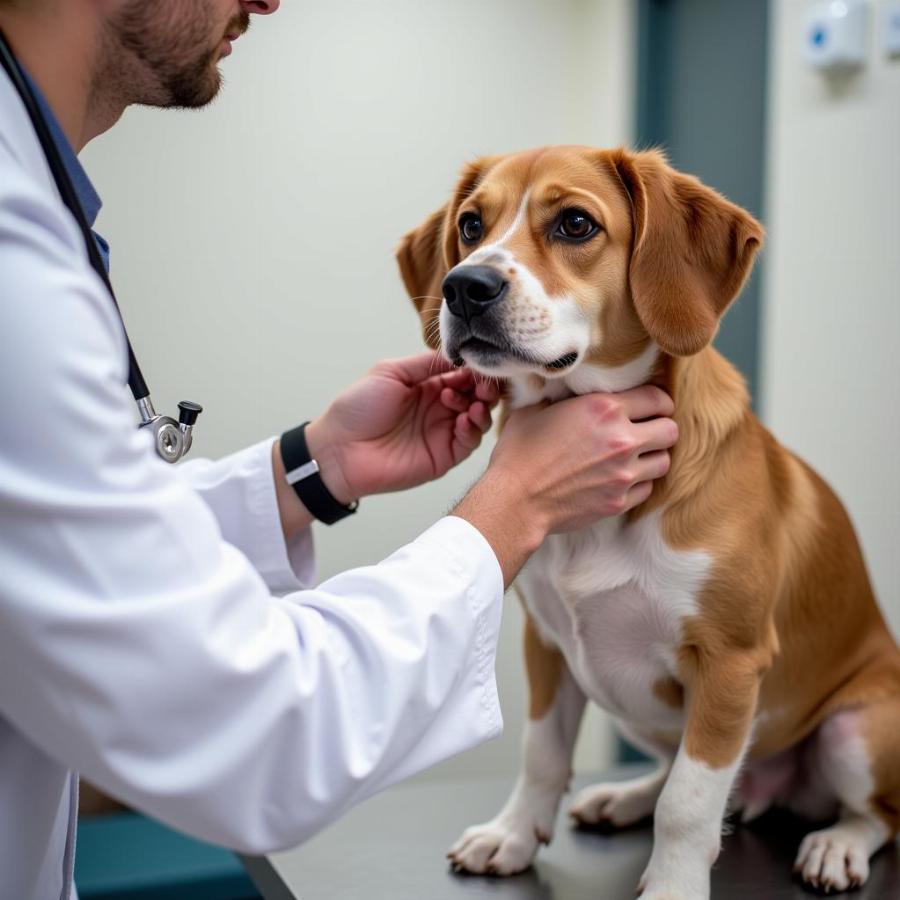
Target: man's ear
420	257
692	251
427	253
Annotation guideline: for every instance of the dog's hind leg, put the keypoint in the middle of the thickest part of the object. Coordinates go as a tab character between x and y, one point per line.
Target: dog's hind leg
856	757
508	843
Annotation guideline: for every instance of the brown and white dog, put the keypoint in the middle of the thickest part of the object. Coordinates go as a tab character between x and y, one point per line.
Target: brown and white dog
728	623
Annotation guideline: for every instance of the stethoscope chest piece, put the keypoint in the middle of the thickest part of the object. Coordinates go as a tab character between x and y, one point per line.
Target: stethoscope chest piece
173	439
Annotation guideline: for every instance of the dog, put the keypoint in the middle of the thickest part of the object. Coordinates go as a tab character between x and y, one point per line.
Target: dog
727	623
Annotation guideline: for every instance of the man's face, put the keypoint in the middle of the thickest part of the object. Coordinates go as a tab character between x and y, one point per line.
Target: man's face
167	51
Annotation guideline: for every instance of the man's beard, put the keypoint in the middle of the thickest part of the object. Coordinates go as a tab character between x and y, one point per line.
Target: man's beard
165	55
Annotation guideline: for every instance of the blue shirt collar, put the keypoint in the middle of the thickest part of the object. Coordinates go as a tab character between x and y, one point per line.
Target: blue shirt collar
87	194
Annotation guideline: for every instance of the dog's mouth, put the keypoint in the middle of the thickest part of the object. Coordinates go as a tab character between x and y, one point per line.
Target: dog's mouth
563	362
490	353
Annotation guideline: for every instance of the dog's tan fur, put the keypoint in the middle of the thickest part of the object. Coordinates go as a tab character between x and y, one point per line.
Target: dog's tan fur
788	631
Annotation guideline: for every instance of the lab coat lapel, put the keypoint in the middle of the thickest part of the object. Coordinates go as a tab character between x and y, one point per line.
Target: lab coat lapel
17	133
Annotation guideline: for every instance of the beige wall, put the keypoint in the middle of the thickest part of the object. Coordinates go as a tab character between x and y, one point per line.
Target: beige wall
831	337
252	242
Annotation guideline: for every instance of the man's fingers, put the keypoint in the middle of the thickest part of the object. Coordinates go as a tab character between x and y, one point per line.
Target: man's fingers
467	381
480	416
488	391
454	400
464	387
466	435
638	494
645	402
412	370
656	434
652	465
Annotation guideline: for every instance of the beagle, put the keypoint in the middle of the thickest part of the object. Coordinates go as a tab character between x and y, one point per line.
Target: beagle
727	623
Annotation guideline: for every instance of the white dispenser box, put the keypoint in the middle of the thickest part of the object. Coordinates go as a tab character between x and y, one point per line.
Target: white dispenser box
836	34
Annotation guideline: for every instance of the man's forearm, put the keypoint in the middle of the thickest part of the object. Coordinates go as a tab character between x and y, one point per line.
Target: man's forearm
499	509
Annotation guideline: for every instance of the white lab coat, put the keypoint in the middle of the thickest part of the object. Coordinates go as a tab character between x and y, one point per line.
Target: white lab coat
142	639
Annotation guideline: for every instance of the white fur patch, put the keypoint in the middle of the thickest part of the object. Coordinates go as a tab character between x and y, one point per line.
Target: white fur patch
613	598
687	827
589	378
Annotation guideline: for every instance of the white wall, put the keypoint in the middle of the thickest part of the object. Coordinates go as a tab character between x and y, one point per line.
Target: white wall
831	337
252	242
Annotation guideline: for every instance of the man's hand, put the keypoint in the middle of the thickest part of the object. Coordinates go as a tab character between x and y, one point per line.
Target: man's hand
561	467
406	422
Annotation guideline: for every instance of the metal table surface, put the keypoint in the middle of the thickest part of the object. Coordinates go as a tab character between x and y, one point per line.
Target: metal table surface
393	847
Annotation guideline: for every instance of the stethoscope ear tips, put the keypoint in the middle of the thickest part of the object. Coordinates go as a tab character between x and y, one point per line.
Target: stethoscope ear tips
188	412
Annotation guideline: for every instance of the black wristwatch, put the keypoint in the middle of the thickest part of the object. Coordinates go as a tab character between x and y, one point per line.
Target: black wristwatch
303	476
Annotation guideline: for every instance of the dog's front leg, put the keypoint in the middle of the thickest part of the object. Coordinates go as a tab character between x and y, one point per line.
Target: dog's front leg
721	700
508	843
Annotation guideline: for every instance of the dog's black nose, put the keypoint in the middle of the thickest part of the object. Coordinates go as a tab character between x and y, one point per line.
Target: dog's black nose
470	290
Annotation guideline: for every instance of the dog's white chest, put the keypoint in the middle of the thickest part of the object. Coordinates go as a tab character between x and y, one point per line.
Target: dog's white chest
613	598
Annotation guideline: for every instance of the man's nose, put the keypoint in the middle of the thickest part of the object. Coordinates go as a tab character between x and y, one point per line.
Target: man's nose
471	290
260	7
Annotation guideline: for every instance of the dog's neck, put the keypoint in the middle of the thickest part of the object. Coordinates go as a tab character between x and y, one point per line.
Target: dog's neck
587	378
710	395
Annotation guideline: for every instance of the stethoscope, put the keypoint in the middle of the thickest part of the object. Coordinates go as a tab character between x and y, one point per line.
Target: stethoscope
173	439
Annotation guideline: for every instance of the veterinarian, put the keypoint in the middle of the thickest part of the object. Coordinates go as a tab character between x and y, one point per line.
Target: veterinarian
159	628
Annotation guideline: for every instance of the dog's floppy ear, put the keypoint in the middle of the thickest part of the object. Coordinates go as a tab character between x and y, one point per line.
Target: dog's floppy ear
420	257
427	253
692	251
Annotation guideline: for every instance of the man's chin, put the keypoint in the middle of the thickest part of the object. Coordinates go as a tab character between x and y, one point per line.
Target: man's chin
196	88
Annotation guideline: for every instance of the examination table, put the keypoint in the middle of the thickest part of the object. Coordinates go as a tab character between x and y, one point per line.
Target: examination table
392	847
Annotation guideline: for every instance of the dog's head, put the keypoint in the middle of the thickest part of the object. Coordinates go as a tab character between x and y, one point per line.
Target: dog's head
561	260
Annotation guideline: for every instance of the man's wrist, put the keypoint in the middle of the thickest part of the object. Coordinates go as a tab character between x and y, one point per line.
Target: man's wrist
293	514
326	452
506	517
292	511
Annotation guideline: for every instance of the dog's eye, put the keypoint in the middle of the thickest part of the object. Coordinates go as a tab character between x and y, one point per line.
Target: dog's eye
470	228
575	225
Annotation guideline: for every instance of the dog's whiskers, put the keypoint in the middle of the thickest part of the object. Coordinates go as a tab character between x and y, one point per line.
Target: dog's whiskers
433	334
427	297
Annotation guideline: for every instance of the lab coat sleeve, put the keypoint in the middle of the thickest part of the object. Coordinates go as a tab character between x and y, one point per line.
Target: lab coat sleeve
240	491
141	648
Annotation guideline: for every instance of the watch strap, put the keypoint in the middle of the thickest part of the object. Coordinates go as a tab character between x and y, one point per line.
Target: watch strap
302	473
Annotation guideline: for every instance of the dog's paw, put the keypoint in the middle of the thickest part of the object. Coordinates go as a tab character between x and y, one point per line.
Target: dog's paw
499	847
833	860
614	805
